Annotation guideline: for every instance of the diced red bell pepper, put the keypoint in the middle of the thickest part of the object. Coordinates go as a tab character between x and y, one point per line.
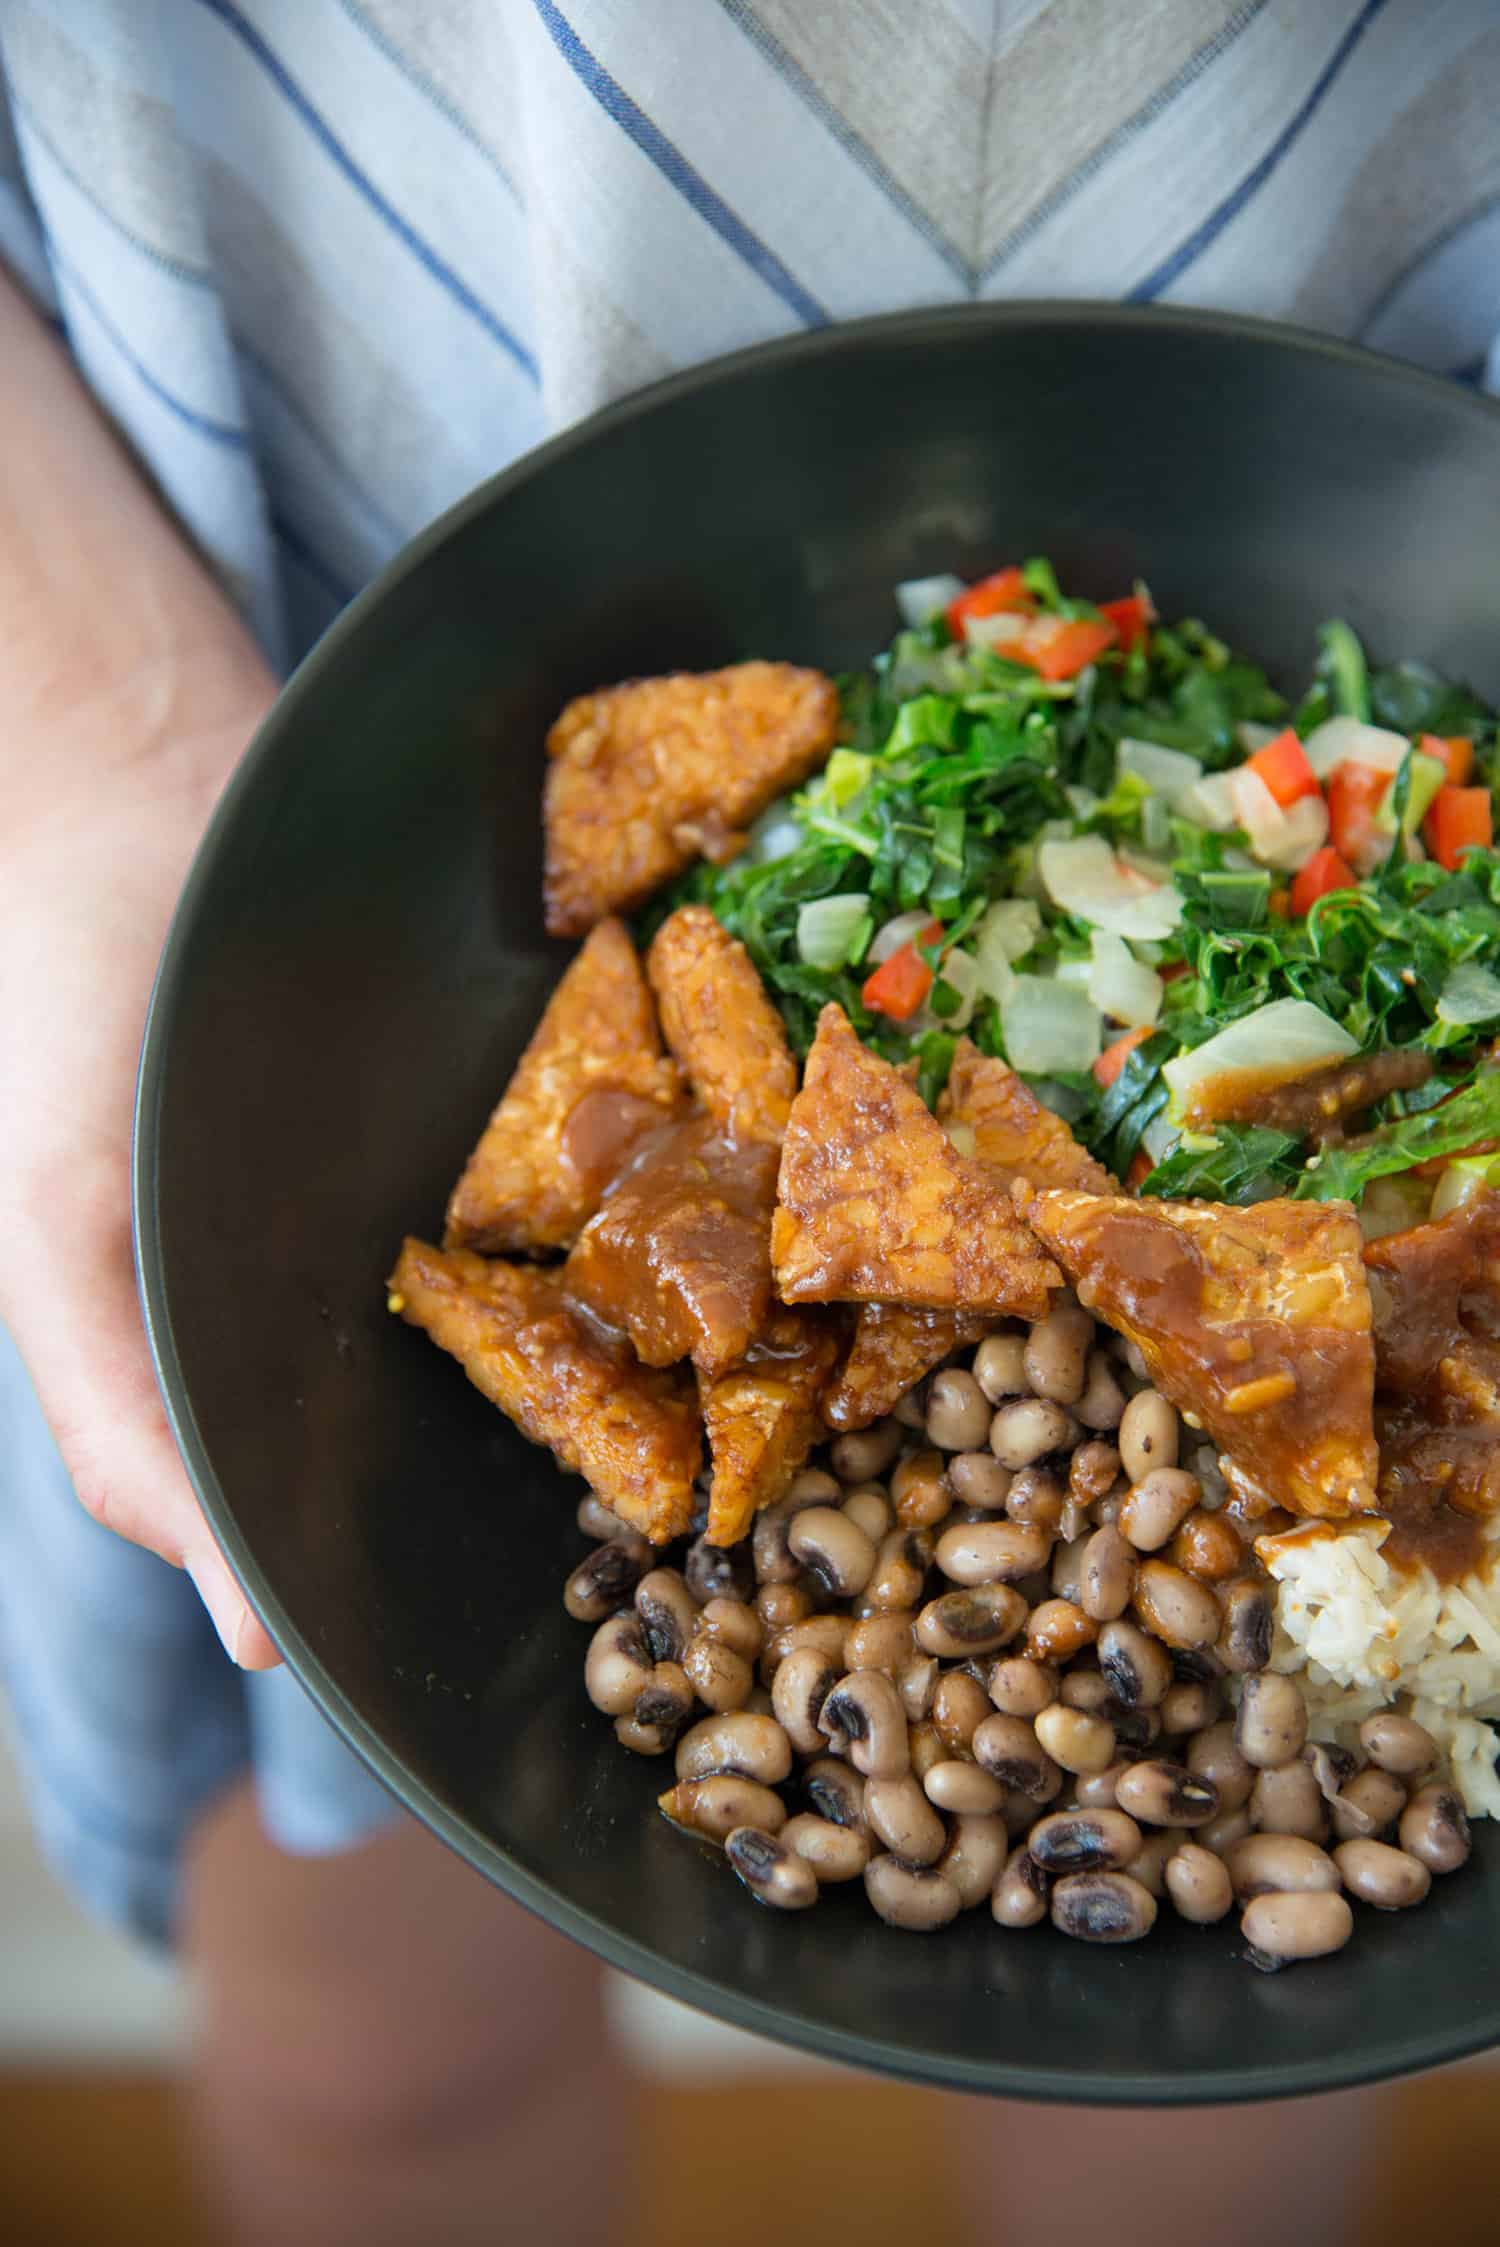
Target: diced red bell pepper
1132	619
1282	764
1114	1057
1061	646
1324	872
1455	750
1458	819
1141	1167
900	984
1355	794
989	596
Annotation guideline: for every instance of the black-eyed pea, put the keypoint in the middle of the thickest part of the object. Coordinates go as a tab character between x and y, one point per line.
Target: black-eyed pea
1096	1790
1055	1358
900	1572
964	1790
1434	1828
958	1412
1213	1755
1150	1862
773	1559
1020	1687
618	1664
1209	1547
978	1620
1008	1748
607	1577
827	1635
920	1490
1198	1883
1398	1744
753	1746
1102	1907
1189	1707
595	1519
832	1551
919	1898
1158	1793
1246	1618
799	1689
1156	1507
1271	1726
1057	1630
917	1684
1288	1799
926	1747
713	1807
644	1739
1019	1896
1082	1688
1280	1929
836	1853
977	1479
1075	1740
1149	1434
1093	1469
881	1642
1136	1666
1038	1500
1222	1833
781	1604
1102	1404
835	1792
735	1624
864	1454
974	1855
902	1819
1000	1366
869	1507
773	1873
1174	1606
1108	1575
958	1706
1282	1863
864	1711
1367	1806
1070	1841
668	1613
721	1678
719	1571
1029	1429
1390	1879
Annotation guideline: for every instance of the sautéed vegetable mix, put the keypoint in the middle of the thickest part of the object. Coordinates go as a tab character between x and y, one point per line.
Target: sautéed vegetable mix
1109	852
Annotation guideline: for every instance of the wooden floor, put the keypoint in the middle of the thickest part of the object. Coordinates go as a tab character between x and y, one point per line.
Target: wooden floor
97	2160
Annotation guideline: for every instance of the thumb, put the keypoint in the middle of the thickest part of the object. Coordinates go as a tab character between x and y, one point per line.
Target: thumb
84	1343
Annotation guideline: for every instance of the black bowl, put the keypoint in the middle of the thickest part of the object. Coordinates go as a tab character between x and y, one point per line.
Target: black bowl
358	959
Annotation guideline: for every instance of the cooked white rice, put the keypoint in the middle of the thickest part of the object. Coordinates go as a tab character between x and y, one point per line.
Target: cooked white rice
1361	1634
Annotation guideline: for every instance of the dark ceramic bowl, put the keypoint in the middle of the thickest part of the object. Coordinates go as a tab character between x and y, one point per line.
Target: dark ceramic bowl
359	958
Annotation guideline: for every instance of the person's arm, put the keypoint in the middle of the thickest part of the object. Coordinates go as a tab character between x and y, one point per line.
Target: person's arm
128	689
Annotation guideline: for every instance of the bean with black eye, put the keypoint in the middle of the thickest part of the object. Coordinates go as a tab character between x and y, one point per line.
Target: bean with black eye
1156	1507
1175	1606
734	1624
964	1789
958	1412
918	1898
977	1478
1093	1469
1149	1434
991	1552
880	1642
1281	1929
1137	1729
1038	1500
771	1871
718	1571
1108	1576
1286	1799
1070	1841
1000	1366
595	1519
864	1454
871	1510
1244	1640
900	1572
910	1409
865	1710
1367	1806
1102	1404
775	1563
835	1792
916	1682
798	1691
607	1577
1279	1862
1019	1896
832	1550
836	1853
1390	1879
618	1664
1189	1709
1398	1744
1137	1667
1198	1883
1074	1739
1214	1756
959	1705
899	1814
1055	1359
668	1613
979	1620
827	1634
921	1491
1332	1767
1102	1907
1057	1629
974	1855
1021	1687
754	1746
721	1678
1167	1794
644	1739
1027	1430
1434	1828
1272	1722
713	1807
1008	1748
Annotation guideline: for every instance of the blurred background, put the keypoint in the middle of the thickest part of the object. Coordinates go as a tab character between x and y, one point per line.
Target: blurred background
94	2038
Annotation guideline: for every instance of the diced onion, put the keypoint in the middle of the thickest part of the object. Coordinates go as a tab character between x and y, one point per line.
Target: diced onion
896	933
1119	985
1257	811
999	632
775	834
1079	971
1083	801
1304	830
1160	1137
920	598
1460	1183
1167	771
1470	994
1009	929
1050	1028
1288	1039
1156	823
1142	862
827	927
1207	803
1083	876
1343	740
960	970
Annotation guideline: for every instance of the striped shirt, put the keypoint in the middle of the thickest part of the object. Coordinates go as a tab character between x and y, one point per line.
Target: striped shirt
327	263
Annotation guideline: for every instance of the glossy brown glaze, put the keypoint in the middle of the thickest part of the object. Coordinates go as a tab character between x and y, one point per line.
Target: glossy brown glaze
762	1418
678	1254
1311	1107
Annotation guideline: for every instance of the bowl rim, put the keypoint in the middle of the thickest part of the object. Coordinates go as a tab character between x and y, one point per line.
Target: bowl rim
1242	2082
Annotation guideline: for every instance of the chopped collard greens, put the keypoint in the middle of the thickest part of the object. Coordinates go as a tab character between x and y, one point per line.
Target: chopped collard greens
1094	844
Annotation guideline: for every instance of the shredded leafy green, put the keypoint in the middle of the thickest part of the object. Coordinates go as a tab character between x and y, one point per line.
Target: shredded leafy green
958	764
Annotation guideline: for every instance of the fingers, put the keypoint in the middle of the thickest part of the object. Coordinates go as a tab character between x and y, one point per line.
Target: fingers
78	1325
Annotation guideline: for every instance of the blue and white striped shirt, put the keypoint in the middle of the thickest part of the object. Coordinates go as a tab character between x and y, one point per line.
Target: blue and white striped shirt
327	263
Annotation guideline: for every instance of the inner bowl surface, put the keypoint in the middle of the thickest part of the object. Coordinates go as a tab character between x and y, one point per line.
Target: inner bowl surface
359	959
